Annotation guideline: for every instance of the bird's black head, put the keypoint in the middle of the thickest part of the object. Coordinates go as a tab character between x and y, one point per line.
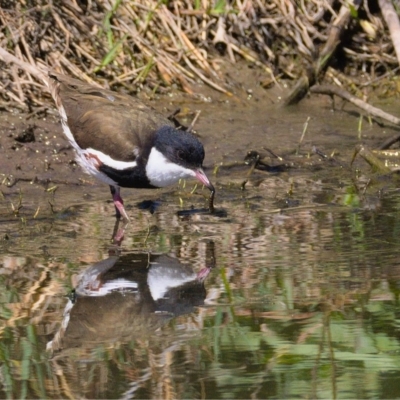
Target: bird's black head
179	147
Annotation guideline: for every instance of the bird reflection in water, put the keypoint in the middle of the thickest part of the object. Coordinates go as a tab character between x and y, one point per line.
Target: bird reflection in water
129	296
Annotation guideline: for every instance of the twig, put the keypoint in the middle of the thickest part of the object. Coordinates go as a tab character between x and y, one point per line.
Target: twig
308	79
31	69
371	159
202	77
374	111
303	134
190	127
392	21
389	142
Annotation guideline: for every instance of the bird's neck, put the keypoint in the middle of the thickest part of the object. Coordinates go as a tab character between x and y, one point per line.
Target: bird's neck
161	172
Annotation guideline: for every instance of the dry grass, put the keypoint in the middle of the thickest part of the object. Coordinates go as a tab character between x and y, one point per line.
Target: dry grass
123	43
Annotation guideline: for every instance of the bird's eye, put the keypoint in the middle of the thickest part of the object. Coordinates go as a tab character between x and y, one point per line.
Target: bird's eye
181	154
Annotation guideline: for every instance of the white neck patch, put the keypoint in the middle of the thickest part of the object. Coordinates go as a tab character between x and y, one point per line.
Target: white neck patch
162	172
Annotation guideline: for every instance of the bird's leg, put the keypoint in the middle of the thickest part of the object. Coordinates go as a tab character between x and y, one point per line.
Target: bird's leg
118	233
119	203
120	211
210	263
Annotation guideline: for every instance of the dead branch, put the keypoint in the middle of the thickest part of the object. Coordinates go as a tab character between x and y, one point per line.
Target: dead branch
373	111
133	43
392	21
309	77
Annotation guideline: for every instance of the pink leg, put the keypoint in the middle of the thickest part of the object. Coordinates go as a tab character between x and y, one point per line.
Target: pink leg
203	273
119	232
118	203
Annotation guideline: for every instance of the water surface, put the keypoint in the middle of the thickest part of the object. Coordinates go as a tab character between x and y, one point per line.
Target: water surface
290	291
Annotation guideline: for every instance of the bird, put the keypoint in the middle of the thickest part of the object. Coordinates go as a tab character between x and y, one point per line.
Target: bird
118	139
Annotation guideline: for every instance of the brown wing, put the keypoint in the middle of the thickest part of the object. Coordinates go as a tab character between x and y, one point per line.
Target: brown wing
113	123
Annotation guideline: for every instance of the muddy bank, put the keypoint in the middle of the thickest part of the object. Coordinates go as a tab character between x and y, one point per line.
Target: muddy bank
36	156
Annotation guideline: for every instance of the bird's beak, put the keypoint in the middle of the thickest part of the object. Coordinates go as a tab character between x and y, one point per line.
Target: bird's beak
202	177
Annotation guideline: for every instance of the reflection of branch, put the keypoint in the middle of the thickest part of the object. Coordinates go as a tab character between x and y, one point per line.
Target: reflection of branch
315	369
35	301
374	111
332	355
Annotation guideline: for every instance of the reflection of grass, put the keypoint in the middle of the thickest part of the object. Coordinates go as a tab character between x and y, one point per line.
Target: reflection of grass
8	295
242	346
29	365
314	363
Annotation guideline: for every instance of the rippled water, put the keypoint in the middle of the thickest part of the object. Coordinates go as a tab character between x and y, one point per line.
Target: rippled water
290	291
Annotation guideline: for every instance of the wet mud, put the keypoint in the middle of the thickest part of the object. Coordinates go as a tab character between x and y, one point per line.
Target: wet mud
36	153
257	153
302	246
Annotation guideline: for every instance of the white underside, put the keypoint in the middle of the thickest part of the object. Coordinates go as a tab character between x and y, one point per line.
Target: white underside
116	285
161	172
89	159
91	284
161	280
